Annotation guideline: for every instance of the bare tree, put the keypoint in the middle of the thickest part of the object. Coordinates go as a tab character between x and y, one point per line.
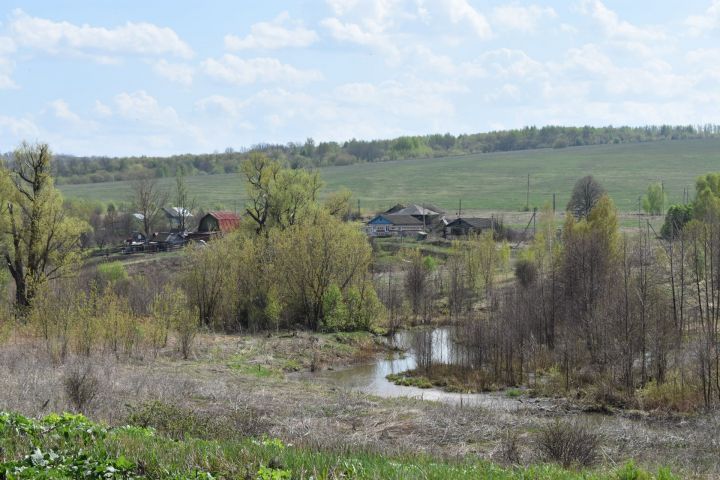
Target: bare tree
148	199
184	203
585	195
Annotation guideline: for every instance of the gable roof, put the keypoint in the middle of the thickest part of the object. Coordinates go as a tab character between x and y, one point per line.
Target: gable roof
395	219
177	212
416	209
473	222
395	208
226	220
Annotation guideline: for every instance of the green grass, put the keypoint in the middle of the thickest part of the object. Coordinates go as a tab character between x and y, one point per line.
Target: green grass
70	446
494	181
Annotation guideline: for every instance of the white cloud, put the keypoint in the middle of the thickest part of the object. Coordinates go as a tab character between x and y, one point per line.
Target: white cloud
506	62
462	11
710	20
523	18
143	107
7	47
237	71
219	103
99	42
272	35
63	112
18	129
614	27
101	109
372	37
175	72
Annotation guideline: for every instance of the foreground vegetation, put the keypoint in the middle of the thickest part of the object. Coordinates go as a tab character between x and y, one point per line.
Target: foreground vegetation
70	446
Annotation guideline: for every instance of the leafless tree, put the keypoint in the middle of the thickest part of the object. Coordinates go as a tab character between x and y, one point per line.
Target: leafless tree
148	199
585	195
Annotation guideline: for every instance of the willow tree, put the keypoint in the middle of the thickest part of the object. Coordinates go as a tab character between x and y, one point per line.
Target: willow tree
39	240
278	197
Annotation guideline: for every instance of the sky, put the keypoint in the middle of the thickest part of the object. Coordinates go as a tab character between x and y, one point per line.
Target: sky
166	77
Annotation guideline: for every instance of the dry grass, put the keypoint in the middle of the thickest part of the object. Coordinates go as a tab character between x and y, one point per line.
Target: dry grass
314	414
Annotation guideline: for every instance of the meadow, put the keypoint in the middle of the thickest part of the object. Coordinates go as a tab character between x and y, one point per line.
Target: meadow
495	181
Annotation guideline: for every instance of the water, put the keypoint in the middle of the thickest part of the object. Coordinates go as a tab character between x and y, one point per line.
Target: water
370	378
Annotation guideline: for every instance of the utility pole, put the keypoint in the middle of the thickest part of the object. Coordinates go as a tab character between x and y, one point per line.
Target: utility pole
359	209
639	214
553	204
662	199
459	207
527	195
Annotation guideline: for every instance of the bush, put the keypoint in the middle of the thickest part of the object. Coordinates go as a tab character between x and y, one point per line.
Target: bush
81	386
111	272
568	443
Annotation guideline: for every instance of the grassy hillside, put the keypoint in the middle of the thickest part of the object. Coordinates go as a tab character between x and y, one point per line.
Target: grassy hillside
495	181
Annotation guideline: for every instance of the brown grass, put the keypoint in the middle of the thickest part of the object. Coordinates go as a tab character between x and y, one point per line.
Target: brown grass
219	400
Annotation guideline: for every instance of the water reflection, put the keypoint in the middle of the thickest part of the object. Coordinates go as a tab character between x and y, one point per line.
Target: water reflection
370	378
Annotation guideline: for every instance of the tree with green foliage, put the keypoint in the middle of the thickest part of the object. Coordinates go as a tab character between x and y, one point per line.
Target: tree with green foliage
653	202
311	257
39	240
675	220
707	196
278	196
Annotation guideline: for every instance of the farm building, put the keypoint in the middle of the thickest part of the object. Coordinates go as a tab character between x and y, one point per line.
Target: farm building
468	225
176	215
386	225
223	222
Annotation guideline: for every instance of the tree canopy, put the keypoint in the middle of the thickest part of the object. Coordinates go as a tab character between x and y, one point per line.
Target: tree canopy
39	240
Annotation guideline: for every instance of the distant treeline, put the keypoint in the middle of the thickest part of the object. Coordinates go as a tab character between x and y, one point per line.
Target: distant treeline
71	169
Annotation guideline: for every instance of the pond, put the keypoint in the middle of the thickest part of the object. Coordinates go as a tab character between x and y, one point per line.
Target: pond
370	378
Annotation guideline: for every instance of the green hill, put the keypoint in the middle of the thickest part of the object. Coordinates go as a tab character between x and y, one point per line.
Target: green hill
494	181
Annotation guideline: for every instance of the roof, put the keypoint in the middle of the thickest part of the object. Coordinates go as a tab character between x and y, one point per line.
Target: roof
226	220
177	212
416	210
395	208
474	222
395	219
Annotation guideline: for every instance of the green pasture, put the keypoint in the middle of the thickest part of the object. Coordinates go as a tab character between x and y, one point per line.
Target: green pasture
495	181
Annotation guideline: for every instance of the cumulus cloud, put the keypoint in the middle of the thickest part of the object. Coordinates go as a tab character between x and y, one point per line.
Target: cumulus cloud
278	33
99	42
462	11
237	71
175	72
708	21
371	37
63	112
7	65
614	27
522	18
13	129
144	107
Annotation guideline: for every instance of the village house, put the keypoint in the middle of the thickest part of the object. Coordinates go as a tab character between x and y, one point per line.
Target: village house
393	225
464	226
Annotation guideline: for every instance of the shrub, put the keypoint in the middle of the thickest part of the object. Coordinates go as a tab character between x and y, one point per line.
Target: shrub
111	272
509	450
568	443
81	386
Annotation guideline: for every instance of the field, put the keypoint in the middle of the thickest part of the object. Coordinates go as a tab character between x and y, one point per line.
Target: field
495	182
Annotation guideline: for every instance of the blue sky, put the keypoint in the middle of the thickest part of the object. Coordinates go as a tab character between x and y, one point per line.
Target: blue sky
165	77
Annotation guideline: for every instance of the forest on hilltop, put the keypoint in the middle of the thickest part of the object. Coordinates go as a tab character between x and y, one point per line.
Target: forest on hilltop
70	169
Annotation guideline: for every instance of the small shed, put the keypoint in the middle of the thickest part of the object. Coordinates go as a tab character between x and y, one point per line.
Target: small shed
223	222
468	225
